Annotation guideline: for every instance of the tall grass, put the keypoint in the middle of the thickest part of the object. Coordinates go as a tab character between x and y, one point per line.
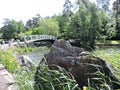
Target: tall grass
8	60
58	79
48	79
25	78
111	55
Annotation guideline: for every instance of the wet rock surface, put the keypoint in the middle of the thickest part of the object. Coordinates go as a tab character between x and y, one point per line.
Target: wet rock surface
83	66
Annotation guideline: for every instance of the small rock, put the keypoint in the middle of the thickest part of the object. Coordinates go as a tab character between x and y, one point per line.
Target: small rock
26	61
1	67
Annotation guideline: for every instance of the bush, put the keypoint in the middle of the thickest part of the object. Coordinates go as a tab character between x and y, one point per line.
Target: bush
21	36
8	60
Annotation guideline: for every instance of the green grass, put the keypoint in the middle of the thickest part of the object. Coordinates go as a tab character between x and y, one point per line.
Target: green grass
58	79
8	60
111	55
108	42
25	79
48	79
22	49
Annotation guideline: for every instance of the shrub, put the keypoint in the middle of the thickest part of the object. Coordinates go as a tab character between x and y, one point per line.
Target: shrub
8	60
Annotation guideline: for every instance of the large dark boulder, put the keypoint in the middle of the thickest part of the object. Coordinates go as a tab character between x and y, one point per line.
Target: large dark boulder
84	67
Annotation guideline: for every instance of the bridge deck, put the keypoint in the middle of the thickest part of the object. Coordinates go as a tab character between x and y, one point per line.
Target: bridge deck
32	38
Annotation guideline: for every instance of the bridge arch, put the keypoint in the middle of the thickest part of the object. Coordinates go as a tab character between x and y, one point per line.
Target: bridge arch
33	38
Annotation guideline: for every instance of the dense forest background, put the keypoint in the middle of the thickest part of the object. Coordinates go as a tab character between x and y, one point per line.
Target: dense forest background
83	21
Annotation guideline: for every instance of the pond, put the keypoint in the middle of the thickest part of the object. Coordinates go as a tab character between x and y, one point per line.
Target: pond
37	55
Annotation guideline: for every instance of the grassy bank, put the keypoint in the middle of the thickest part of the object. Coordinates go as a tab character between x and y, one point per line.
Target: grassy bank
108	42
25	80
8	60
111	55
22	49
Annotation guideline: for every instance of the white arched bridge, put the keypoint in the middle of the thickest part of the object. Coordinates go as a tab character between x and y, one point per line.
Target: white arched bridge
35	38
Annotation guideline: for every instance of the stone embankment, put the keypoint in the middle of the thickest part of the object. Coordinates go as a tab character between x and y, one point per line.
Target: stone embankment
7	81
12	45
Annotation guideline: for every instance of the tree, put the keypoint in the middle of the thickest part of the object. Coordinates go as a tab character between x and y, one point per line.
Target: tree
34	22
104	4
47	26
21	26
67	11
63	24
12	29
81	4
85	26
116	8
107	21
94	28
29	24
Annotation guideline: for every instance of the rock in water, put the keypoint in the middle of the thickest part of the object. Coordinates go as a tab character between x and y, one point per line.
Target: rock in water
83	66
26	61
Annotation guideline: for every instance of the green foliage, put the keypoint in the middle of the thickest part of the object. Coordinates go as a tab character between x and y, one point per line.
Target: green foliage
25	79
50	79
103	4
11	29
28	32
85	26
47	26
110	28
34	22
58	79
107	25
21	36
116	8
22	50
63	24
21	26
111	55
67	11
8	60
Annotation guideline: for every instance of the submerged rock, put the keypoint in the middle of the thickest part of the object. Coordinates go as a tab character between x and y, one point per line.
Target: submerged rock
84	67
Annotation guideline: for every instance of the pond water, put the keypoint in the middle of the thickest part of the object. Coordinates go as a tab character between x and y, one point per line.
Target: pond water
37	55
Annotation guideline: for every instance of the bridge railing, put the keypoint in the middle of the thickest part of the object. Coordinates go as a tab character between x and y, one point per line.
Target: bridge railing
31	38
